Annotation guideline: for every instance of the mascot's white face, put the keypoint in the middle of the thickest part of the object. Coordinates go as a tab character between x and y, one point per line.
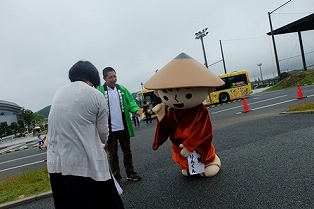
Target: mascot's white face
183	98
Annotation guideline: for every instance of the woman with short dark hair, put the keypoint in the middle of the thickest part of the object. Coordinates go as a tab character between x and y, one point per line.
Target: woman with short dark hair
78	131
84	71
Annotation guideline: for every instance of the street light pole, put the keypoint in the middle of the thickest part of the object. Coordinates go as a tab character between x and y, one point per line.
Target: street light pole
260	69
201	35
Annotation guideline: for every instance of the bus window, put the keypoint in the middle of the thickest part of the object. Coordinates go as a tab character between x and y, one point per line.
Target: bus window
139	99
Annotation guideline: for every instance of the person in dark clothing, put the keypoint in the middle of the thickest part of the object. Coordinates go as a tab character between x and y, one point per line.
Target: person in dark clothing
156	101
136	120
40	139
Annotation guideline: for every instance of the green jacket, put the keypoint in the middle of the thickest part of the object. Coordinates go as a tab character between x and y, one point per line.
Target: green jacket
129	106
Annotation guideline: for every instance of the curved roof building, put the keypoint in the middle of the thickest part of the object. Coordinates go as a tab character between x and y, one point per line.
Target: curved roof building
9	106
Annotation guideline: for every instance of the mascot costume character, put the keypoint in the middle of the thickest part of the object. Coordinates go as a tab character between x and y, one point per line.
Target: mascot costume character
183	84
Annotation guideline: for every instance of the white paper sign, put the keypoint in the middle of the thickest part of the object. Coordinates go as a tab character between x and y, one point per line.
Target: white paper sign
195	165
119	189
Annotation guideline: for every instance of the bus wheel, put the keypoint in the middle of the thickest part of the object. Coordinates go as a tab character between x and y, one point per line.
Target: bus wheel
223	97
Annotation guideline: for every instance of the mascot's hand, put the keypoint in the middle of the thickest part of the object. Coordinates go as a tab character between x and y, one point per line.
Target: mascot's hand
160	110
184	152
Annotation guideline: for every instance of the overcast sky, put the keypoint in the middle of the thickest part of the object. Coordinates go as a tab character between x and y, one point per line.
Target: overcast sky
41	40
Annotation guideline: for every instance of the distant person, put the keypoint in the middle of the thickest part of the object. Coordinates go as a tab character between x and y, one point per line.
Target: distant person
46	143
147	111
46	140
40	139
135	119
78	131
156	100
121	103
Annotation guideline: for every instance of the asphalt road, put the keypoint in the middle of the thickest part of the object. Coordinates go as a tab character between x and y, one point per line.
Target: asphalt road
267	161
18	162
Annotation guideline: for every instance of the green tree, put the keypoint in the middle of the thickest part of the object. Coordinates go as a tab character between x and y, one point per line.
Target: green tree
20	123
28	116
5	129
39	118
15	128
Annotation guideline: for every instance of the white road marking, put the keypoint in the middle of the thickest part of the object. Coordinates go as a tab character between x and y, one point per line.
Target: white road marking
250	103
265	100
291	100
262	107
21	158
7	169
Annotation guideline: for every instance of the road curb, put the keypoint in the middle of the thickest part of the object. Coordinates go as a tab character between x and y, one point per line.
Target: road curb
26	200
299	112
19	149
15	150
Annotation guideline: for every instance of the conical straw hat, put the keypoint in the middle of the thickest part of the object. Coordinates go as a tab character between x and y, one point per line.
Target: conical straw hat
182	72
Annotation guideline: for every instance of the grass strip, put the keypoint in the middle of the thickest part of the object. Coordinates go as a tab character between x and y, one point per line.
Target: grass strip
28	184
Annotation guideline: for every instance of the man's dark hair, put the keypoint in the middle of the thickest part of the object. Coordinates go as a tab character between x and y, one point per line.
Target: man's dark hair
84	71
106	70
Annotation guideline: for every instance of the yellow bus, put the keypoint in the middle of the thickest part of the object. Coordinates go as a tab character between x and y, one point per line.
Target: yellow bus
237	84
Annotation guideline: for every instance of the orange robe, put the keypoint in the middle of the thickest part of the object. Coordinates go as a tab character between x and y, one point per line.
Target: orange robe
190	127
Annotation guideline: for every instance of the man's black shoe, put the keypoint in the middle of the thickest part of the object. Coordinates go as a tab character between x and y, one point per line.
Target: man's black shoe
133	176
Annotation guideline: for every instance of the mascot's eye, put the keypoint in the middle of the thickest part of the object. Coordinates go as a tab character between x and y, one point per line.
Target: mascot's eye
188	96
166	98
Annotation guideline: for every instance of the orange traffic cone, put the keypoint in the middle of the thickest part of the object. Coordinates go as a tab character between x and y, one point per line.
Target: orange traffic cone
299	92
245	106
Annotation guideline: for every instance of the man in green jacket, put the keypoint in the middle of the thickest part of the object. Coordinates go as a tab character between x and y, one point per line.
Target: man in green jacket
121	104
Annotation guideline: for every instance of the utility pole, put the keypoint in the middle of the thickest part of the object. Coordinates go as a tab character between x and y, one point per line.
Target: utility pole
223	58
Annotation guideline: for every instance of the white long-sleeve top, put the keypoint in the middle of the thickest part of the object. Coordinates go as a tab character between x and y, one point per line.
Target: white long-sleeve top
78	131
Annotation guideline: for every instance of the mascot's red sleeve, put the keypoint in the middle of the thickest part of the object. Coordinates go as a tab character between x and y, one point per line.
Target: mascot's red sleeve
190	127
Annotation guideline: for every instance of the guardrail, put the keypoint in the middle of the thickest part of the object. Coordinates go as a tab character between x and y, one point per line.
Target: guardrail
12	138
